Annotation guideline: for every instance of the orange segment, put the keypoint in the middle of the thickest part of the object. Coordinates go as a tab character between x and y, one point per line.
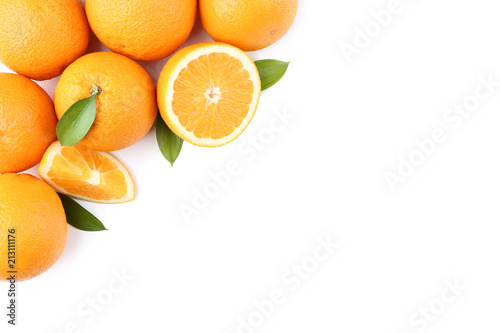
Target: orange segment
208	93
86	174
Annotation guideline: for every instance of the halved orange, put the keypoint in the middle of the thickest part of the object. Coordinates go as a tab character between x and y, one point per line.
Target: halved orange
86	174
208	93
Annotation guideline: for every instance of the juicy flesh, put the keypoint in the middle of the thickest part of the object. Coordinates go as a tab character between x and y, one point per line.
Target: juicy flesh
212	95
87	173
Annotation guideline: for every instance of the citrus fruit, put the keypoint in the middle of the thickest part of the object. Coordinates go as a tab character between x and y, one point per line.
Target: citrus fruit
27	123
126	106
142	29
38	39
32	213
248	24
86	174
208	93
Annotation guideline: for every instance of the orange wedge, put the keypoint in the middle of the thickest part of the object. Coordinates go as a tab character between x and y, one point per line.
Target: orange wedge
86	174
208	93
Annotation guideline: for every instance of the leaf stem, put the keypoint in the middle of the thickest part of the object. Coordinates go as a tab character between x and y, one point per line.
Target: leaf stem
95	90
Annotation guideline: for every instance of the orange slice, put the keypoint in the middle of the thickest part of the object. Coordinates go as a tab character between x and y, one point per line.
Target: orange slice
208	93
86	174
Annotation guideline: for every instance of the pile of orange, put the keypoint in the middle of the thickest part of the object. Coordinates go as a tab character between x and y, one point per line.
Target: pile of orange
207	94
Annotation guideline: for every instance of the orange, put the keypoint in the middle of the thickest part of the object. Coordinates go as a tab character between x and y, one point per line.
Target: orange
142	29
248	24
30	211
27	123
38	39
208	93
126	107
86	174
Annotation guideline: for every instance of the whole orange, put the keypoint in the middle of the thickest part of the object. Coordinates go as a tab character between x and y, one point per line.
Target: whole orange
33	223
38	39
142	29
248	24
126	106
27	123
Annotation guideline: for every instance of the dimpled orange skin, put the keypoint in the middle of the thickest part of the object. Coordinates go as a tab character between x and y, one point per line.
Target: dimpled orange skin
126	107
34	210
38	39
142	29
27	123
250	25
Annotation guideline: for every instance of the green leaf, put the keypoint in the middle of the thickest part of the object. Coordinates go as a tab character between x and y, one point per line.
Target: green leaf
76	122
271	71
79	217
169	143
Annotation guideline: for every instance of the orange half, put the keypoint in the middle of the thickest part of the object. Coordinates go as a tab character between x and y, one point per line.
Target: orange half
86	174
208	93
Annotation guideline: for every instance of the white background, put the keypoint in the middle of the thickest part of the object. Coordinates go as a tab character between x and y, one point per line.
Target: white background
321	176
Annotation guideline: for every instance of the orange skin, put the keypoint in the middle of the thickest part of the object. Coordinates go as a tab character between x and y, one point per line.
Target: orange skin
34	210
27	123
126	107
250	25
142	29
39	39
